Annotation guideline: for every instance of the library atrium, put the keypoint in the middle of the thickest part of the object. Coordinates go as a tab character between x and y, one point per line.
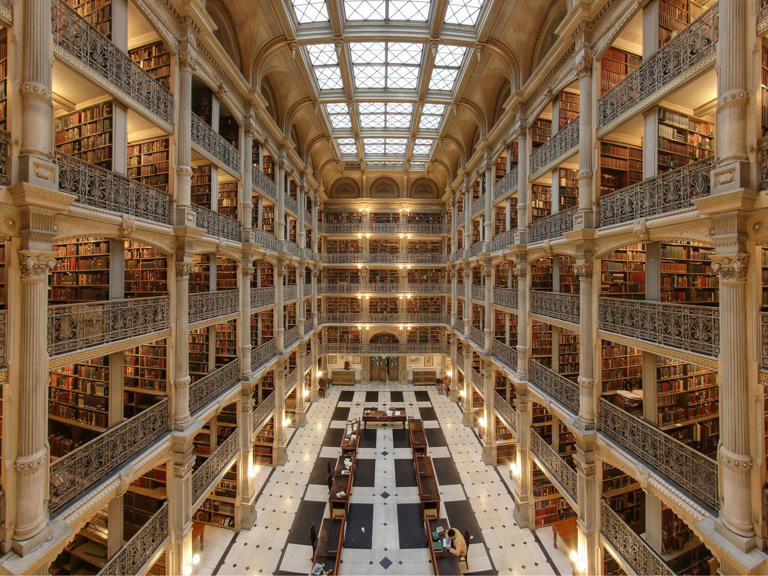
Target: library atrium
384	287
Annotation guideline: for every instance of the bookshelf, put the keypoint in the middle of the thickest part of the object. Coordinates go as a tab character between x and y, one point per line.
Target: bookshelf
569	355
343	305
624	495
763	276
620	166
424	335
144	376
345	276
541	201
200	277
226	273
569	108
201	185
78	394
98	13
268	218
764	87
3	78
81	273
87	134
153	483
621	367
348	335
219	509
146	271
425	305
148	162
338	246
616	65
381	246
264	444
226	343
155	60
343	218
228	198
541	274
682	139
506	451
541	348
198	353
541	132
86	553
424	247
569	282
622	273
546	499
686	274
675	16
267	326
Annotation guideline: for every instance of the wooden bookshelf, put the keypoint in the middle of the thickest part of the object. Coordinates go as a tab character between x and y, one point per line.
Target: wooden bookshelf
569	108
541	274
682	139
541	346
624	495
87	134
622	273
616	65
264	444
145	369
155	60
621	367
226	343
541	132
153	483
764	87
228	198
148	162
424	247
146	271
620	166
98	13
424	335
675	16
686	274
541	201
201	185
138	508
226	273
79	394
546	499
81	273
86	553
198	353
569	355
425	305
200	278
268	218
3	277
338	246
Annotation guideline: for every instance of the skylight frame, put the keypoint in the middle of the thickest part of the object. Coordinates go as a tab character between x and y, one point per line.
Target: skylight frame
448	62
463	13
317	10
323	58
403	11
388	65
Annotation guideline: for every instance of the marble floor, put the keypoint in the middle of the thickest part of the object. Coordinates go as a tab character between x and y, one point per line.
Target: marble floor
382	535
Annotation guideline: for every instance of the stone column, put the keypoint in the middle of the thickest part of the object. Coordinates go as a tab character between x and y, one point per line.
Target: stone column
300	273
467	213
489	436
181	379
521	236
467	386
280	304
315	386
488	310
301	360
521	273
301	234
583	268
522	489
179	489
281	369
584	217
315	274
467	299
489	180
247	497
454	393
281	193
454	221
183	132
247	176
246	273
587	504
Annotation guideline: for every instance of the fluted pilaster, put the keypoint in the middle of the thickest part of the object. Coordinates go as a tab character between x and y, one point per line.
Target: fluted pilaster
584	270
181	380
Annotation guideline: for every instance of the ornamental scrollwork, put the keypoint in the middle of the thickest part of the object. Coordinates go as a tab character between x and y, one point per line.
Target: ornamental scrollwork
730	267
36	264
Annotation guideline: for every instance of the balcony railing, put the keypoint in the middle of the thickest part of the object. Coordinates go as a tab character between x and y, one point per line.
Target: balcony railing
216	224
680	59
5	158
74	473
764	341
291	205
135	553
460	292
307	217
382	258
290	247
762	146
3	319
263	411
554	463
556	305
670	191
477	336
381	288
555	385
478	292
563	142
265	239
691	470
680	326
264	184
505	354
76	326
289	292
476	248
291	380
212	385
380	348
506	411
264	296
291	336
262	354
503	240
307	290
552	226
90	51
635	551
401	317
216	464
207	305
477	381
458	325
506	297
214	144
460	358
478	205
505	185
762	18
95	186
383	228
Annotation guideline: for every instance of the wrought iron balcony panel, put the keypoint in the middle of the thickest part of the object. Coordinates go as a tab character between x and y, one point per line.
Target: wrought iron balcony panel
762	145
506	411
762	18
692	471
203	477
422	228
135	553
216	224
212	385
215	144
350	228
207	305
555	385
291	336
380	348
476	248
764	341
289	292
307	217
290	247
291	205
477	381
262	354
356	318
477	336
557	148
506	297
460	358
262	411
503	240
505	354
264	296
458	325
552	226
683	57
307	291
555	305
460	293
478	205
95	186
505	185
665	193
76	326
3	319
679	326
75	472
554	463
478	292
264	183
5	158
265	239
95	55
635	552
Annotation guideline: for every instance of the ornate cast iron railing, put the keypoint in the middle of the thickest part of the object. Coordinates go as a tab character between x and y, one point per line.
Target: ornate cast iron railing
291	247
552	226
683	57
505	185
458	325
203	477
506	411
289	292
212	385
291	336
460	293
91	51
291	205
262	354
217	224
764	341
477	381
556	305
215	144
505	354
635	552
3	319
382	258
265	239
307	290
680	326
75	472
505	297
206	305
101	188
5	158
380	348
351	317
555	465
262	296
503	240
264	184
478	292
478	205
76	326
691	470
555	385
762	18
762	147
135	553
477	336
563	142
673	190
262	411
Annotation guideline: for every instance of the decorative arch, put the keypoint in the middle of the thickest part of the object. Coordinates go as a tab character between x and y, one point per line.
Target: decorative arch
226	31
269	98
425	188
384	337
546	36
501	97
385	188
344	188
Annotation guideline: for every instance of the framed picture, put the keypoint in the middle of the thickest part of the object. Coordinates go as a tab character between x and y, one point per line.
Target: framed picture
428	361
331	359
356	360
414	360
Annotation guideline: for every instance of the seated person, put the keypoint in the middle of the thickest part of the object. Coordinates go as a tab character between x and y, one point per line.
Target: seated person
457	546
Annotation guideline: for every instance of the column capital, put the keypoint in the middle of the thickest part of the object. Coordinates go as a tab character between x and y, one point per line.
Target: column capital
36	264
730	267
184	269
584	65
247	270
584	271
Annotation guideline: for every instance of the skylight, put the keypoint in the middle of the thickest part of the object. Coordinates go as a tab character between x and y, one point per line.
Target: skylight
422	147
463	12
379	10
379	147
431	116
310	11
447	63
391	115
382	65
325	63
347	146
338	113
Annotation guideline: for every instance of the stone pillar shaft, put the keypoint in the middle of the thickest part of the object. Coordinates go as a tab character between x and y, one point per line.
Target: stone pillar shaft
181	379
586	344
184	132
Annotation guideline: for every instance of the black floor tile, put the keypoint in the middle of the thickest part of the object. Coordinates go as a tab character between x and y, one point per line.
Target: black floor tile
319	474
446	471
371	396
360	516
435	437
422	396
461	517
410	526
340	414
308	513
400	438
405	473
333	437
365	472
368	438
346	396
426	413
396	396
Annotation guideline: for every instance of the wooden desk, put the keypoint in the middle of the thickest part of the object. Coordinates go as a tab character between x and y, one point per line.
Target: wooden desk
429	493
381	417
443	563
351	437
417	437
340	467
329	543
339	505
568	532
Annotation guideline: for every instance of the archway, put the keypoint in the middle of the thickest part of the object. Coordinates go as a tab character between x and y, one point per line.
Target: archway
384	366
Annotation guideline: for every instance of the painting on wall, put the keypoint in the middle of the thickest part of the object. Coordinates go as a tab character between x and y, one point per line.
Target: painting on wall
428	361
356	360
331	359
415	360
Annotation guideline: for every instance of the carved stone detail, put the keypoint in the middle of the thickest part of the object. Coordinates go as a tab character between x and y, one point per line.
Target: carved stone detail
730	267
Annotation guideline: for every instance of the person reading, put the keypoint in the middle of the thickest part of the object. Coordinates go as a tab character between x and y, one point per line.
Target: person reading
457	545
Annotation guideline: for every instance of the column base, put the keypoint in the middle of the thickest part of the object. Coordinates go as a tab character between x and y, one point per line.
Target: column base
247	514
28	545
300	419
467	418
743	543
521	513
281	455
314	395
489	455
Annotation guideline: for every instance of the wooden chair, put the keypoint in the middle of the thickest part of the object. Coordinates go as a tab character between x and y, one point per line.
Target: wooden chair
313	536
464	559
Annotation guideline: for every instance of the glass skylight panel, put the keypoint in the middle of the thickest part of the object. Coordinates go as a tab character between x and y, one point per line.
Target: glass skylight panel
402	77
422	147
368	52
449	56
365	9
409	10
446	69
404	53
310	11
398	120
399	107
396	146
443	79
347	146
370	76
325	65
373	145
402	10
373	121
463	12
417	167
396	115
386	64
431	116
338	113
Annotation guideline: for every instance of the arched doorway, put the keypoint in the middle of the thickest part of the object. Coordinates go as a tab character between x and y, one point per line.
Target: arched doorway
384	366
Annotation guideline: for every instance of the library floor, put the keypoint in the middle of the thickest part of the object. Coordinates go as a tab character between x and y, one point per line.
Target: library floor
385	534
